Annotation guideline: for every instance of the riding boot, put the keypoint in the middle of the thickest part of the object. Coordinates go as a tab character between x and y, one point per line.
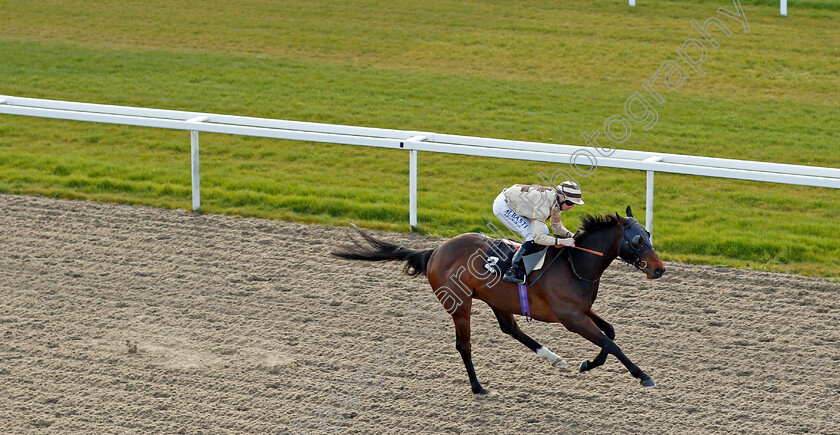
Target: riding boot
513	273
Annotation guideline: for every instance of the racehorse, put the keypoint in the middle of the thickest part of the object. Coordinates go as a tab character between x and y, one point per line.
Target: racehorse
565	293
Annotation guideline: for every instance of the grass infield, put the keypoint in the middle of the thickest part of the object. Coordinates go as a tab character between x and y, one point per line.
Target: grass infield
541	71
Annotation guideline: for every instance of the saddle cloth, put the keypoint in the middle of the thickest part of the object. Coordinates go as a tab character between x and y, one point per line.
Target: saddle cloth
500	253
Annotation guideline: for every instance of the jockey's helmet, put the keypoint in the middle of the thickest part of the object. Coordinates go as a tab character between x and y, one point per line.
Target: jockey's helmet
570	191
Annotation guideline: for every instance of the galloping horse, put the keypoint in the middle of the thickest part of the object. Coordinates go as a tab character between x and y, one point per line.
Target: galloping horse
564	294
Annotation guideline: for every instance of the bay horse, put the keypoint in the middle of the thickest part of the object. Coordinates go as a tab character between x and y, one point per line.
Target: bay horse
565	293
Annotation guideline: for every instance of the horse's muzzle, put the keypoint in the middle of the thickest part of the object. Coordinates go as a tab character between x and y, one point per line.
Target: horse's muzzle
651	265
657	273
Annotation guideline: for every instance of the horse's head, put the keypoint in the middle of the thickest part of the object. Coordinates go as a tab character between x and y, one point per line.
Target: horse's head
636	247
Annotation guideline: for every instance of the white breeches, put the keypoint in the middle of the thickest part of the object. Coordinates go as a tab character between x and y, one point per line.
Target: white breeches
515	222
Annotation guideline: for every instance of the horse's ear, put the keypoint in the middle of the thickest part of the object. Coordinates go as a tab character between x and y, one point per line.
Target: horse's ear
629	212
620	219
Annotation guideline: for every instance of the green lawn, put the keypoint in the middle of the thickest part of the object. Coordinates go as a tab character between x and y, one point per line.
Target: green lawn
540	71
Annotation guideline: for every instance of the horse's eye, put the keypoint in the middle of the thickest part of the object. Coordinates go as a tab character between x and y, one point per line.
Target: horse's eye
637	241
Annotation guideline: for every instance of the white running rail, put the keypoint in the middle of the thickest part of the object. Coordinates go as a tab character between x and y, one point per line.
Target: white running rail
415	141
782	6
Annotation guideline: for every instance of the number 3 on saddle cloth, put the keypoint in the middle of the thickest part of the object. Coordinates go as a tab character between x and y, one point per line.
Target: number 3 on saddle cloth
498	260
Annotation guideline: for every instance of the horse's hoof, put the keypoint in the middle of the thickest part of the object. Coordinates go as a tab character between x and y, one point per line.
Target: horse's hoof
485	395
559	363
647	383
481	391
584	366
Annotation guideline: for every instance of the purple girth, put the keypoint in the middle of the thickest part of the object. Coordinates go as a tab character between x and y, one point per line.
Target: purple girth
523	301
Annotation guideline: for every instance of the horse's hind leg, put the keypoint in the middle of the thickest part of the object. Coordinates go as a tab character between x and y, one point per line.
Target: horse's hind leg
586	327
509	327
461	317
602	356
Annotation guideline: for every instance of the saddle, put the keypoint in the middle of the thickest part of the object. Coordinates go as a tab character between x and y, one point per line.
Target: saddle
499	254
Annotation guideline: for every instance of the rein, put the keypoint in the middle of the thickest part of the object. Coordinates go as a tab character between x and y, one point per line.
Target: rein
569	252
589	251
577	275
545	269
638	264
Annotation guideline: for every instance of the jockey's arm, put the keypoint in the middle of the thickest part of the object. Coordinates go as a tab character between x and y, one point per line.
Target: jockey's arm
558	228
542	238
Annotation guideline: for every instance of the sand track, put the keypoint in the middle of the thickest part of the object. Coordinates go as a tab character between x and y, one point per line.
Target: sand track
244	325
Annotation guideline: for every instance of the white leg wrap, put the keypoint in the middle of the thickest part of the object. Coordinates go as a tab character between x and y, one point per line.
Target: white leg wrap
555	360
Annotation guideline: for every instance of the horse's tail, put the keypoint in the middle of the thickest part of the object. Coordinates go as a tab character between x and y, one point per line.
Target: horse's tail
379	250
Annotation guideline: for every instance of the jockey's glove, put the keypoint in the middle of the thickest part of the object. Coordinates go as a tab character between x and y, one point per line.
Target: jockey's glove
564	242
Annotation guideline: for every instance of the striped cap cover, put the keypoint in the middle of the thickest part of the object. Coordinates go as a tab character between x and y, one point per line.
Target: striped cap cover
570	191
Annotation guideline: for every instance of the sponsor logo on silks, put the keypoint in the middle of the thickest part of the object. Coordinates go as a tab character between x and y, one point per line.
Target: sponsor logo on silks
516	219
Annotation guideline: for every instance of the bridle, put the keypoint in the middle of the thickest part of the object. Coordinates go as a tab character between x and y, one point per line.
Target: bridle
638	263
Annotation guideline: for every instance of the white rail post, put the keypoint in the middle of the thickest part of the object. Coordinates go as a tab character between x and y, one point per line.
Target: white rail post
412	188
632	2
783	7
196	187
649	198
412	182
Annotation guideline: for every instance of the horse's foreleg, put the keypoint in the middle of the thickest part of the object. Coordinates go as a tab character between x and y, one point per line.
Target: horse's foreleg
461	317
602	356
509	327
586	327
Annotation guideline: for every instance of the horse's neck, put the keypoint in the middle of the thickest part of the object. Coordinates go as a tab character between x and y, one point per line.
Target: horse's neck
596	265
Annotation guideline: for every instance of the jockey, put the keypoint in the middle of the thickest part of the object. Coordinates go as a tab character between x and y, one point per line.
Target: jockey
524	209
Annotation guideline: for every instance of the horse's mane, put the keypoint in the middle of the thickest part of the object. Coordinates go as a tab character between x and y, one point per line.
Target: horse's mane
592	223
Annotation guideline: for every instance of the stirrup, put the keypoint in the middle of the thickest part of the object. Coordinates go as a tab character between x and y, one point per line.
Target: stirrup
510	276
